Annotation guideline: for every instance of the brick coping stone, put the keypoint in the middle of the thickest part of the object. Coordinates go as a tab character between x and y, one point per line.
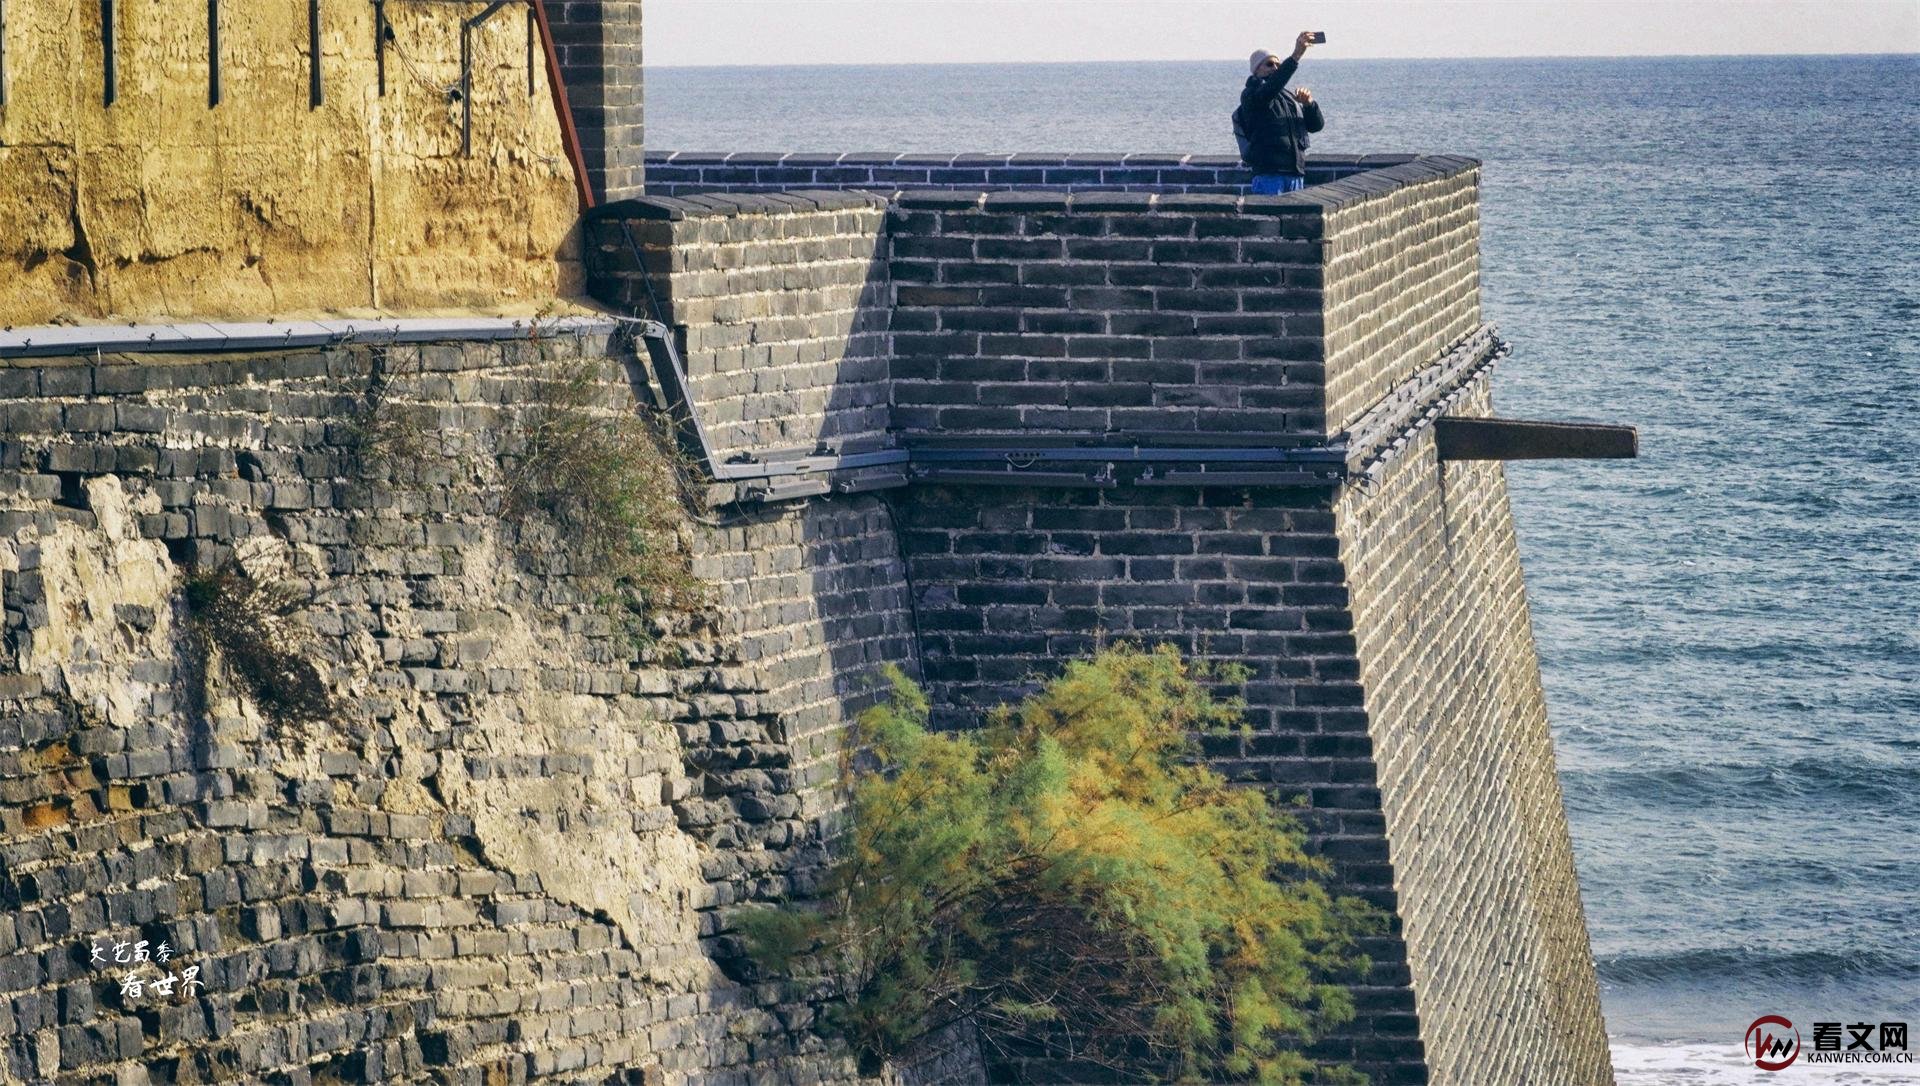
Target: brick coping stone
1394	172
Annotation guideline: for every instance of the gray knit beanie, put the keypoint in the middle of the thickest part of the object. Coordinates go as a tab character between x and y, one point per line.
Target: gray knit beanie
1259	56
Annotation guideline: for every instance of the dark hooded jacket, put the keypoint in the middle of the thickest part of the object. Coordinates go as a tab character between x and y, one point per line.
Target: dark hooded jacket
1276	124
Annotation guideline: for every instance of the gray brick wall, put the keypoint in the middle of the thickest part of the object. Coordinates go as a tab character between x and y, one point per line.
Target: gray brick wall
784	308
1498	945
599	42
1190	315
1012	582
1023	311
1394	694
503	857
1038	312
1401	277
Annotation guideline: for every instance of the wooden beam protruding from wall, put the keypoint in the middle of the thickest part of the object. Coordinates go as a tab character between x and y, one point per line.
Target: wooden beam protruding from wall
1519	439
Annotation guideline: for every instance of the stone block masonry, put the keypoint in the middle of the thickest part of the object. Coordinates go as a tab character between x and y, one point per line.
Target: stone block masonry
678	173
1338	319
508	854
503	855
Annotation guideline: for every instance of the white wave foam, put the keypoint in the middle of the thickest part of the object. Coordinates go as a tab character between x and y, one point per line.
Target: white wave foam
1723	1065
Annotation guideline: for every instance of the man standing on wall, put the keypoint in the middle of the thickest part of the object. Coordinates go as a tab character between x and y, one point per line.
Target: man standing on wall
1272	124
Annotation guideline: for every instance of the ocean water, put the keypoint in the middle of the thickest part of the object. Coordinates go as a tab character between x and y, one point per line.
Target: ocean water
1724	252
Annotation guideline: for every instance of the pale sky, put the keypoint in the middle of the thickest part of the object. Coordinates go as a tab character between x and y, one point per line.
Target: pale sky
748	32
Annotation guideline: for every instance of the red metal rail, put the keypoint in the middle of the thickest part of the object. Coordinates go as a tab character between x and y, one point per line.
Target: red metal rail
569	135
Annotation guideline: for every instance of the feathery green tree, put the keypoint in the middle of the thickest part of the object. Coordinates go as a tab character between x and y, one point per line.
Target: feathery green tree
1072	874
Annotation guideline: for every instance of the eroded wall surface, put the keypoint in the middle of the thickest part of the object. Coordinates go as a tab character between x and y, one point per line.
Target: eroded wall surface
503	853
267	205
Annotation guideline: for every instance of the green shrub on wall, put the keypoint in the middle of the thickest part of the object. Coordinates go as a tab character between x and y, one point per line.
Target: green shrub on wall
1071	874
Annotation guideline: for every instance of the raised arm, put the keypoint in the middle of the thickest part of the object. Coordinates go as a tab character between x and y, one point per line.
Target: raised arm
1271	84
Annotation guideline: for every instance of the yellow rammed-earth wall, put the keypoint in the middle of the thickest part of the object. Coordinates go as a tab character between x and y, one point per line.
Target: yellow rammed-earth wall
163	206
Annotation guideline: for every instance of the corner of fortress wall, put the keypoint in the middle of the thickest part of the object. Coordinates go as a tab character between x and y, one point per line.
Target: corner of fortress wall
1482	864
1395	690
509	851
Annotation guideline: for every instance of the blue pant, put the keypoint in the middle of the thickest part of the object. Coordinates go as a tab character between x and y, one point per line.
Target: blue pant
1273	184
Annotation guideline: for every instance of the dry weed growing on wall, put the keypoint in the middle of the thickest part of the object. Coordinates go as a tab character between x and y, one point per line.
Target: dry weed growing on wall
253	626
384	439
589	487
606	478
